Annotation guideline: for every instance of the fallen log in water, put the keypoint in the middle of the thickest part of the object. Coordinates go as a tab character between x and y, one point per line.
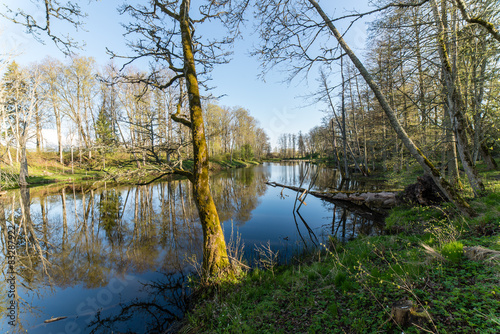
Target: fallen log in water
54	319
384	200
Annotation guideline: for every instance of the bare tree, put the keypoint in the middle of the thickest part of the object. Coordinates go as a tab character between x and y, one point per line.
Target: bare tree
455	104
51	70
483	22
23	100
168	36
289	36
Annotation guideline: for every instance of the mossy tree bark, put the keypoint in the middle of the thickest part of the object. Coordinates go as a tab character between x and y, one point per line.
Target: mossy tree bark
215	259
166	34
487	25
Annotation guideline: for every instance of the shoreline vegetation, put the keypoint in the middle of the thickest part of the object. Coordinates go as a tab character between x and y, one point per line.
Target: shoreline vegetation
418	94
44	168
433	271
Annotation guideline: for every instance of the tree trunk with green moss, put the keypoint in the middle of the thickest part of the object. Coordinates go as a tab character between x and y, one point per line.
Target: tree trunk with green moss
215	259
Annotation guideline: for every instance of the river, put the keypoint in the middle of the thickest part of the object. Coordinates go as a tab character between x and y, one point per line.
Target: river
116	259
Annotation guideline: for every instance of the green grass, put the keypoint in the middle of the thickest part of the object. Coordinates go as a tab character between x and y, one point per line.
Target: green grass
412	218
39	175
453	251
350	288
224	163
45	168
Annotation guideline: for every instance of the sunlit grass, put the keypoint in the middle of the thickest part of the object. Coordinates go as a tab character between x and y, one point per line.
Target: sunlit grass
118	167
351	287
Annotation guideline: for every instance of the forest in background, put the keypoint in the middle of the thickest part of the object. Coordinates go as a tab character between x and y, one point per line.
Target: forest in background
428	94
96	114
404	61
106	111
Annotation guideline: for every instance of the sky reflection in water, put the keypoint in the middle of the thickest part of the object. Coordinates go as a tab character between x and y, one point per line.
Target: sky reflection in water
114	259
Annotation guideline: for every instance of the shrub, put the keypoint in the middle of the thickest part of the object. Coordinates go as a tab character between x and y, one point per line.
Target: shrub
453	251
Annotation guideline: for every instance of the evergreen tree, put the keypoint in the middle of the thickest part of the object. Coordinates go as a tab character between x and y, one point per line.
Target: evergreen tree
106	136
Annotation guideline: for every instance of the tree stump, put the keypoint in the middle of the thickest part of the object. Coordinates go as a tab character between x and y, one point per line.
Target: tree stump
401	312
424	192
404	313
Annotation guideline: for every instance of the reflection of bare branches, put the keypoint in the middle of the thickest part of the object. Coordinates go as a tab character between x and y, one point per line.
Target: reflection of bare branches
342	221
30	266
300	186
302	199
164	303
30	237
298	230
237	193
312	235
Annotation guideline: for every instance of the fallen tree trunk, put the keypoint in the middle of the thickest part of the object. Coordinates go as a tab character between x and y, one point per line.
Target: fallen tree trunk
363	204
383	199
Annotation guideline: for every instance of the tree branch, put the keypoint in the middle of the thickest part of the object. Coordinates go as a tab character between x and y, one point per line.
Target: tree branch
477	20
166	11
70	13
183	172
391	5
179	119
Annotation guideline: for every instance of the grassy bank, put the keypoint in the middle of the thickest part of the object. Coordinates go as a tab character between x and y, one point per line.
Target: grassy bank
45	168
352	287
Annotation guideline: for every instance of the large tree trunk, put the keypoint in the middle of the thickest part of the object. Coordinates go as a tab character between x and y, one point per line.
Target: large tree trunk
450	192
23	171
215	259
455	106
59	137
344	132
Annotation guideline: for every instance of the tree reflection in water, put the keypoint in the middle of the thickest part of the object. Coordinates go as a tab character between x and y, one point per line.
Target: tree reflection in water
31	266
312	236
110	215
165	303
77	243
82	240
238	194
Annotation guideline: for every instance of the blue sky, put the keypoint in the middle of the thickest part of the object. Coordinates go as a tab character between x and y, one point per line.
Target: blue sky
279	107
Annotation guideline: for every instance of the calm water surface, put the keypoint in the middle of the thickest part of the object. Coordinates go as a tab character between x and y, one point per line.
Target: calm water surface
115	259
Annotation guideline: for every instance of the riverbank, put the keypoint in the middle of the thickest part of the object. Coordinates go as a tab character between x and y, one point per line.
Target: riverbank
45	168
442	270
